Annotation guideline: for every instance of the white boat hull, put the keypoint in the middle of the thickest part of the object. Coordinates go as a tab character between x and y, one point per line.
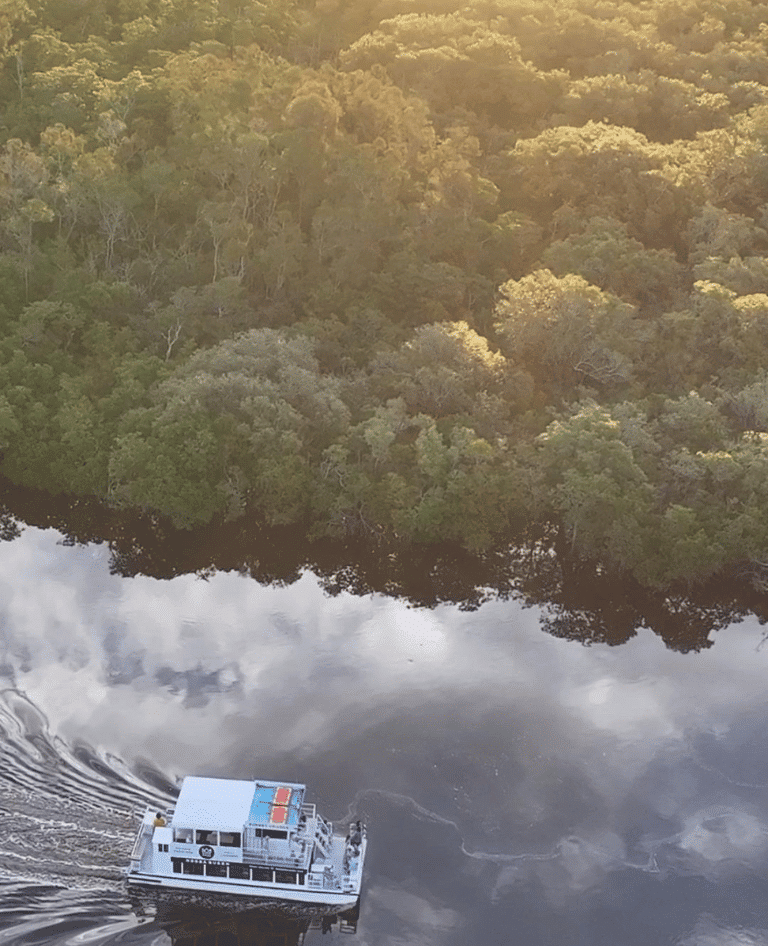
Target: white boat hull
318	900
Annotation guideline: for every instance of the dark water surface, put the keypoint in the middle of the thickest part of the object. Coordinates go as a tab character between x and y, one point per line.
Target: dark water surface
519	788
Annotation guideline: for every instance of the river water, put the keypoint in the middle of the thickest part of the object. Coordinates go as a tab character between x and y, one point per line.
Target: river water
518	788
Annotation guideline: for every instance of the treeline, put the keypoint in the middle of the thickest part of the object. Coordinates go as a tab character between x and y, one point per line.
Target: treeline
399	269
578	600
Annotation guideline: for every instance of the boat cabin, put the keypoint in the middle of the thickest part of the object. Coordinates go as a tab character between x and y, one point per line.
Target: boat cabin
218	824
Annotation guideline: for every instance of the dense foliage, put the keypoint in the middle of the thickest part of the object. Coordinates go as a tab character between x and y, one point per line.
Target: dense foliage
405	268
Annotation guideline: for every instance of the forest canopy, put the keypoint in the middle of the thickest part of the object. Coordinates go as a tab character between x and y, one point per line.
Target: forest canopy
406	269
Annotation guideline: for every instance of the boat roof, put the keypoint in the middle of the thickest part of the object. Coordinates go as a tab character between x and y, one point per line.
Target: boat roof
229	804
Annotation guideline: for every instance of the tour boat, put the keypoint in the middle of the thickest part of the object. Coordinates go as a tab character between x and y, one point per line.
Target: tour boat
249	839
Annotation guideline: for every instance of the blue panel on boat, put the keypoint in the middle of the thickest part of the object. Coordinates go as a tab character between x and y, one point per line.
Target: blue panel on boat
276	804
261	804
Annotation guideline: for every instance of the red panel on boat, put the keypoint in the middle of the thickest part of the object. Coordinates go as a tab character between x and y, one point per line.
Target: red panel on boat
279	814
281	796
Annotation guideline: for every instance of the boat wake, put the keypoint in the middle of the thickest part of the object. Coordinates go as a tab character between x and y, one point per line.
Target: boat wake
66	822
66	812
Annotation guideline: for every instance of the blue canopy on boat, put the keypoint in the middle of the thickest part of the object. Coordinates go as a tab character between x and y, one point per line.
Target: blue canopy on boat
276	803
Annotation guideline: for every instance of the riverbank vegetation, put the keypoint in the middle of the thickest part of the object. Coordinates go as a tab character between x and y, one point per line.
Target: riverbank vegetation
578	600
406	269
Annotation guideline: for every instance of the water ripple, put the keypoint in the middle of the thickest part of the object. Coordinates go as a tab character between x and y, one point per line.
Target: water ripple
67	824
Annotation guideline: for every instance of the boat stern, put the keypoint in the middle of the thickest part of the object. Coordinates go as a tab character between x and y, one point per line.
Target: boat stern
151	843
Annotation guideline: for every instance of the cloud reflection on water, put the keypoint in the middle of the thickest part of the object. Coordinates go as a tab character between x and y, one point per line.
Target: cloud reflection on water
562	767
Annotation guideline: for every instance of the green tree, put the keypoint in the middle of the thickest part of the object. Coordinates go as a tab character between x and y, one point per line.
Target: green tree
606	256
565	329
448	369
717	233
742	275
174	467
21	225
567	173
453	61
596	485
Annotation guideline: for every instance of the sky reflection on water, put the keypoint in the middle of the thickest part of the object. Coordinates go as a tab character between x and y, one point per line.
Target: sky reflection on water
518	787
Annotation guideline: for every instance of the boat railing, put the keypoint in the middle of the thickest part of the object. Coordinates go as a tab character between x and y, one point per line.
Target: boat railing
268	859
309	811
323	835
327	880
140	812
144	835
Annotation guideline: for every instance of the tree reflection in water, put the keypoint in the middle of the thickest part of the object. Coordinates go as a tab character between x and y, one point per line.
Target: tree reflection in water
580	600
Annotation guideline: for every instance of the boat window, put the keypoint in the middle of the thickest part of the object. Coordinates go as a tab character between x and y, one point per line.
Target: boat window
270	833
207	837
285	877
262	873
183	835
193	867
240	871
229	838
216	870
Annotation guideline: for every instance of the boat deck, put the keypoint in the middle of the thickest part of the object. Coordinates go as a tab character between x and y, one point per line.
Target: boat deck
318	868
